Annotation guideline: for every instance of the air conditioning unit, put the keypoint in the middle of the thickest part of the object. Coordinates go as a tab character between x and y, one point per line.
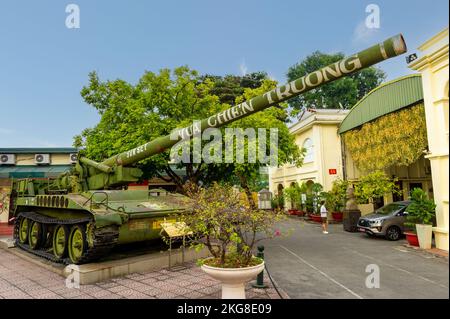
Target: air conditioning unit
73	158
42	159
7	159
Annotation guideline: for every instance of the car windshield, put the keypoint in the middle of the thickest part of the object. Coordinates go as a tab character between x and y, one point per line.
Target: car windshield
389	209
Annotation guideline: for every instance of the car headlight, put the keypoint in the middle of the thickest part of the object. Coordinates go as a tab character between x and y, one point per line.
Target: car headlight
376	222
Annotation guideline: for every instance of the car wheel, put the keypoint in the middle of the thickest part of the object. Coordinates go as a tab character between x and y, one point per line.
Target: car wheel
393	233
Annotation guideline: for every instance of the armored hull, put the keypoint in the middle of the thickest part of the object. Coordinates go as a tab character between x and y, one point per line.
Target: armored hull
83	227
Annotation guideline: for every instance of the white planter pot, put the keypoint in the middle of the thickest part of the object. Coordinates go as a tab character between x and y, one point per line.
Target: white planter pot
424	233
233	279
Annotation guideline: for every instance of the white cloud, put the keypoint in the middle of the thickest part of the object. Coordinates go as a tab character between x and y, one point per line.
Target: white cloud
243	68
363	34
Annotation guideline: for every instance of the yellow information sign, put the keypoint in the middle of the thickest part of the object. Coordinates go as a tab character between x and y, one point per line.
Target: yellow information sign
176	229
157	223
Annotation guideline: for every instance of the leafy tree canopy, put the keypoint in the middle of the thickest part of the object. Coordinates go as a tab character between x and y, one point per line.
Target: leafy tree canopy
346	91
229	87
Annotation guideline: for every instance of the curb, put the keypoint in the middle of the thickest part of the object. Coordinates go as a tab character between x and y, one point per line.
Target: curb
443	255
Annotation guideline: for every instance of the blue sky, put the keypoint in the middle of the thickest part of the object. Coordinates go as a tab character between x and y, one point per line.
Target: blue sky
44	65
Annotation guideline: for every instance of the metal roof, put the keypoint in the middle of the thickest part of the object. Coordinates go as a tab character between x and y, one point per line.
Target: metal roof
38	150
386	98
31	171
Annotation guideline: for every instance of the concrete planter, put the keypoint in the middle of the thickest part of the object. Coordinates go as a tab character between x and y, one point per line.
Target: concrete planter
233	279
424	234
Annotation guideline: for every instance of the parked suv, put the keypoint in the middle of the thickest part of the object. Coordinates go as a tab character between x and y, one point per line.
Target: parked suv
386	221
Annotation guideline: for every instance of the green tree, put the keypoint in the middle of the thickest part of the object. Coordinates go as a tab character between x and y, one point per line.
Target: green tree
373	186
421	210
275	117
229	87
335	198
346	91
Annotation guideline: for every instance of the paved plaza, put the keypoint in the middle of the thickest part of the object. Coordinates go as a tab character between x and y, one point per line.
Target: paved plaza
21	279
308	264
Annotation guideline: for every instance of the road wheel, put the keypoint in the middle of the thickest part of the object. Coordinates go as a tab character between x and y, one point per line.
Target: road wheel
60	239
35	235
77	243
23	230
393	233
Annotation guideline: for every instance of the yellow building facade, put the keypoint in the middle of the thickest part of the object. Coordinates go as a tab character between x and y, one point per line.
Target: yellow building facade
433	64
316	132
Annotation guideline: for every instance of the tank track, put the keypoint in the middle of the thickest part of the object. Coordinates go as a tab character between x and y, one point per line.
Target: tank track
104	238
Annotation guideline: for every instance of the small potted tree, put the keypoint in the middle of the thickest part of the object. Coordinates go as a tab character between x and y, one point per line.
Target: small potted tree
303	189
292	193
278	202
421	213
374	186
228	228
337	198
313	200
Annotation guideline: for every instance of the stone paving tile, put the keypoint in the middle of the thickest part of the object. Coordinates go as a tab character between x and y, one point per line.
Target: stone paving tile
71	293
128	293
108	284
22	279
148	281
83	297
99	294
113	296
184	283
159	284
153	292
152	275
166	295
134	285
118	288
140	277
194	295
138	295
145	289
178	291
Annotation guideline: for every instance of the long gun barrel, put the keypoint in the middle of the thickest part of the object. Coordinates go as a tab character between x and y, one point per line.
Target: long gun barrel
392	47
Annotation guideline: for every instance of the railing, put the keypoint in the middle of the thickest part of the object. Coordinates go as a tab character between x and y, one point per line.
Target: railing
102	202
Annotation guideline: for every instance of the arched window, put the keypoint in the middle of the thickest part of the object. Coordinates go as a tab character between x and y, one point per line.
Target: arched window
280	188
309	147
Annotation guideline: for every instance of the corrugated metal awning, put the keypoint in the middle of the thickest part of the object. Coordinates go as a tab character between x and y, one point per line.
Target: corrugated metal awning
38	150
30	171
387	98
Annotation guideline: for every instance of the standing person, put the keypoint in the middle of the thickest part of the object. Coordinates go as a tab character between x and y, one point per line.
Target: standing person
324	215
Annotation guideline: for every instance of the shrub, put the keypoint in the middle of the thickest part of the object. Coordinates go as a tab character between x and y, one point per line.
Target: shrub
421	210
221	221
374	185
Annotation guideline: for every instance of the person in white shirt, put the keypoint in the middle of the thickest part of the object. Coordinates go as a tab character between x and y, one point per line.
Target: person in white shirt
324	215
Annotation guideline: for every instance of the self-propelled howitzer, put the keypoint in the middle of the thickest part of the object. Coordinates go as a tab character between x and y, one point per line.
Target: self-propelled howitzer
83	213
